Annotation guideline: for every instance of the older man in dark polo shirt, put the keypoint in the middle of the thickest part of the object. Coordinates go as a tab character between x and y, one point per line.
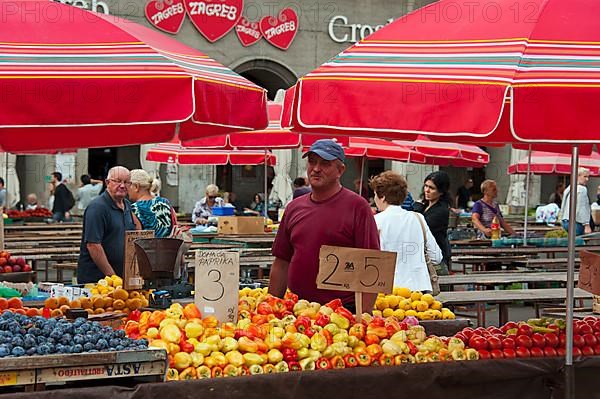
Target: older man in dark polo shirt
105	221
329	215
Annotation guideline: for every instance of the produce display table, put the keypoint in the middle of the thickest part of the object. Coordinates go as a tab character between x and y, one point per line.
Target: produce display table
491	252
500	278
533	378
34	372
547	264
479	263
506	297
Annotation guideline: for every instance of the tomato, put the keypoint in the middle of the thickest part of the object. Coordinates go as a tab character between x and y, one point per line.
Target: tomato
561	352
596	326
549	352
509	353
495	330
585	329
578	341
562	340
509	343
538	340
482	331
522	351
484	354
494	343
509	326
587	351
462	337
576	352
525	329
536	352
497	354
467	332
551	340
523	340
478	342
597	349
590	339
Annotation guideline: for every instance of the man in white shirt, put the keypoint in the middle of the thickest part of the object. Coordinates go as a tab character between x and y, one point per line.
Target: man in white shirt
89	190
584	212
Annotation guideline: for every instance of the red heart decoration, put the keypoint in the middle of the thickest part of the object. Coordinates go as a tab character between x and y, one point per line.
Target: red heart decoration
214	18
247	32
280	31
166	15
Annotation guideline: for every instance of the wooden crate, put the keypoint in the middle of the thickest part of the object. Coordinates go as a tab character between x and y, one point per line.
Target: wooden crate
35	372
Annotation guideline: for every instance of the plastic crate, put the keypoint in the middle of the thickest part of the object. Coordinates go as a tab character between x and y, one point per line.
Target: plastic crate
223	211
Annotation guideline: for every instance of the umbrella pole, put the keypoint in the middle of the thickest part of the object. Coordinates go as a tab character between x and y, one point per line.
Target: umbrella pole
527	181
266	210
569	383
362	166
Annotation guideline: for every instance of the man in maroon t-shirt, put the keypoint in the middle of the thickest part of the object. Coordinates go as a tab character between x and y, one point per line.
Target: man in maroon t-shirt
329	215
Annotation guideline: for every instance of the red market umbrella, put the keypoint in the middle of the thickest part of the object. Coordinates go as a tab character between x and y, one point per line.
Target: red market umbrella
448	154
545	163
273	137
73	78
175	153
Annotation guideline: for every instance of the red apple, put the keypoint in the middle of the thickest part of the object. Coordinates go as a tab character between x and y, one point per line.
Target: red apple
16	268
20	261
11	261
8	269
27	268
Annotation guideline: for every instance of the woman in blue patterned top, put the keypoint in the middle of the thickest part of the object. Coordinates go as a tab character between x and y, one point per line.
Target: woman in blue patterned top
153	211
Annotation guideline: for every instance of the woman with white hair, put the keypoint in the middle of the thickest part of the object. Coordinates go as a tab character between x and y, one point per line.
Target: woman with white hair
153	211
203	209
584	212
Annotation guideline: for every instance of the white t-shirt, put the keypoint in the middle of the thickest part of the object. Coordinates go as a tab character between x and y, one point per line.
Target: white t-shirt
401	232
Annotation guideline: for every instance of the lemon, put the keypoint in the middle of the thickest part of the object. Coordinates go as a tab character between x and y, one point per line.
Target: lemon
410	313
416	296
388	312
402	291
382	303
428	298
436	313
447	314
393	301
436	305
117	281
421	306
103	282
404	304
377	313
399	314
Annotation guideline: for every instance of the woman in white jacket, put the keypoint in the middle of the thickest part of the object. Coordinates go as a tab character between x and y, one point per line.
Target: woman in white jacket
400	231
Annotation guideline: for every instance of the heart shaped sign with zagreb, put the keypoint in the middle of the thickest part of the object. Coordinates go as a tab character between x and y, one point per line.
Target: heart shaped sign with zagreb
166	15
214	18
280	31
248	32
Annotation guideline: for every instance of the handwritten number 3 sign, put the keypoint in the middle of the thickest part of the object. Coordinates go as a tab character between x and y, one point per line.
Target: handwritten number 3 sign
216	281
358	270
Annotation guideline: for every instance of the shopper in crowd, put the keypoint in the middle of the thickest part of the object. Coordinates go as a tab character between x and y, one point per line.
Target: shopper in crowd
595	209
105	221
329	215
361	190
485	209
409	203
89	189
435	207
300	187
557	196
153	212
63	199
257	207
464	195
3	203
31	202
203	209
583	210
403	232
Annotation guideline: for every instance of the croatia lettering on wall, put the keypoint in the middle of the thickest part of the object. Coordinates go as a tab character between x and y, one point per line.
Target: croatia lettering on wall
215	18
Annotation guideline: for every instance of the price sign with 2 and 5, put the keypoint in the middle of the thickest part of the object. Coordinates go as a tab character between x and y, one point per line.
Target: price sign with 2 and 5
216	284
358	270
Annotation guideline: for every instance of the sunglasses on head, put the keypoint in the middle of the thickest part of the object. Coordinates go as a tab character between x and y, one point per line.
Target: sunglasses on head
212	196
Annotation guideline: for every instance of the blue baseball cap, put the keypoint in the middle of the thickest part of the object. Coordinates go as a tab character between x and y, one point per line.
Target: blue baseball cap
327	149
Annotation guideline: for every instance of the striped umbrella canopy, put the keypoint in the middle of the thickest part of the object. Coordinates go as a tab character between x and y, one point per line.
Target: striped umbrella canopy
448	77
274	136
448	154
549	163
176	153
72	78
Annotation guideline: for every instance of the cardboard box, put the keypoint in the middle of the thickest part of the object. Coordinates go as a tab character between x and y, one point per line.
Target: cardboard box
241	225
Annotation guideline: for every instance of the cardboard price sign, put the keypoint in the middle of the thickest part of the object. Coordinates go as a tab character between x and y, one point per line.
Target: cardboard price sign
357	270
131	272
589	272
216	285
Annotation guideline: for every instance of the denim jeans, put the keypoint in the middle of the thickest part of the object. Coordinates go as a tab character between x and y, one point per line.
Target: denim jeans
578	227
58	216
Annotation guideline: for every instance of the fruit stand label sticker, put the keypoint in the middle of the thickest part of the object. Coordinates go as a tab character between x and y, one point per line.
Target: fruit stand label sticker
9	378
357	270
589	272
114	370
216	285
131	272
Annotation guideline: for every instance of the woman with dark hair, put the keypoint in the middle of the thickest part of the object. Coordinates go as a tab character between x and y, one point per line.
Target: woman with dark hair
435	206
257	207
